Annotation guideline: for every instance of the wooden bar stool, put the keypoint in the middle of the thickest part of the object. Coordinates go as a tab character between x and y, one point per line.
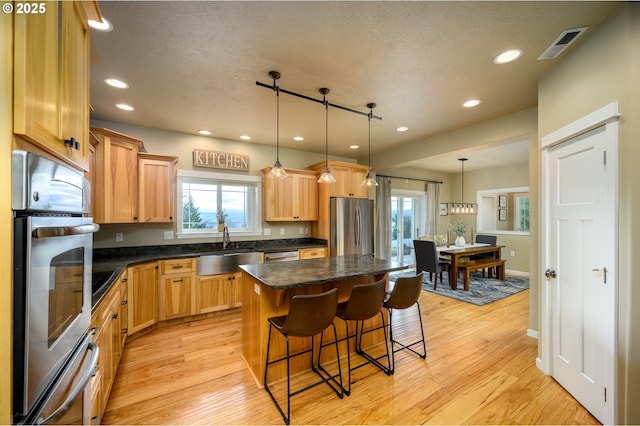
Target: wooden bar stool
309	315
365	302
405	294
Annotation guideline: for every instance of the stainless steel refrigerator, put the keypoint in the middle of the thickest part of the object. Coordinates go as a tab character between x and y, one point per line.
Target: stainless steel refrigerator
351	226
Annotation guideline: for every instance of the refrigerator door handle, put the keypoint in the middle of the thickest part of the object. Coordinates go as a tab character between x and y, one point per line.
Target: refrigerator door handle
358	226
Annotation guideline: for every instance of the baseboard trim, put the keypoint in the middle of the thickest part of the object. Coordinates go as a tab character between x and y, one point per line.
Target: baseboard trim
532	333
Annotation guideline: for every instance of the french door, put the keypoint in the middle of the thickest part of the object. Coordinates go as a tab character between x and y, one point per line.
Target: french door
405	224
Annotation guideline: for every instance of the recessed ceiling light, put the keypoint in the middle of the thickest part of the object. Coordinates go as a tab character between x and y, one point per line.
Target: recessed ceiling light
354	146
245	137
507	56
298	138
204	132
471	103
125	107
402	129
104	26
116	83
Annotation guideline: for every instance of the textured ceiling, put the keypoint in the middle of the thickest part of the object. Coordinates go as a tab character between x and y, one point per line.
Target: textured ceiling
194	65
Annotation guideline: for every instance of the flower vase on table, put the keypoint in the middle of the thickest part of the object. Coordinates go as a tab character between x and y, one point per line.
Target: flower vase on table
459	229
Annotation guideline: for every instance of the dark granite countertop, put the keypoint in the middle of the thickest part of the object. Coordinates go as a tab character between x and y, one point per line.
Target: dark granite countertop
116	260
300	273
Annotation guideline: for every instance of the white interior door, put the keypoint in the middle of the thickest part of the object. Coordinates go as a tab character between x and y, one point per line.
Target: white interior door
581	233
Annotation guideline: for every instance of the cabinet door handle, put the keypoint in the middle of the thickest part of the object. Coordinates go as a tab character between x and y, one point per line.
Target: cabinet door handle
177	266
177	281
114	316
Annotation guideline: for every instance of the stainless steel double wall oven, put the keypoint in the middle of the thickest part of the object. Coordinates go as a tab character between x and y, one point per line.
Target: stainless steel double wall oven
54	356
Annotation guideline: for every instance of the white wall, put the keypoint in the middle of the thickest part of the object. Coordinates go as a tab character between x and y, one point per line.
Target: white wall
602	70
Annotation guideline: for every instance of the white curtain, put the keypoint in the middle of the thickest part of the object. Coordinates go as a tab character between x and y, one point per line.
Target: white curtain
382	243
433	208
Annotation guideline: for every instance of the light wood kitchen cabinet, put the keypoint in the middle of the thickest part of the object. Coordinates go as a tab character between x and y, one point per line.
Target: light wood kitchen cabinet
175	288
349	177
218	292
51	78
108	321
292	198
142	281
312	253
116	177
130	185
156	187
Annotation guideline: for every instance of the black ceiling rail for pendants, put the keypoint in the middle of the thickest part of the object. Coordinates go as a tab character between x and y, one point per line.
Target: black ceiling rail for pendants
309	98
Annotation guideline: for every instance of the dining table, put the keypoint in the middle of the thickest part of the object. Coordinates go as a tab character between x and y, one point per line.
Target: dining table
458	252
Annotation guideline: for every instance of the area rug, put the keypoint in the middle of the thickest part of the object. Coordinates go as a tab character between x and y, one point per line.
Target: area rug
481	290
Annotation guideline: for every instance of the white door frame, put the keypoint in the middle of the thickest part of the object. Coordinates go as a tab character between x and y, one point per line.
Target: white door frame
607	116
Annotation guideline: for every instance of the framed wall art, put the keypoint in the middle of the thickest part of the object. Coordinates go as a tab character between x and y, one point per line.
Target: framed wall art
502	201
444	210
502	215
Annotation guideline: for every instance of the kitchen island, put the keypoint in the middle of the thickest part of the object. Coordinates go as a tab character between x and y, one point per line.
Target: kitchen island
267	290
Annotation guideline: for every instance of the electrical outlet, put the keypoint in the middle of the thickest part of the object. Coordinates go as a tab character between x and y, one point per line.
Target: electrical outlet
306	230
281	231
168	235
267	231
512	253
119	236
301	231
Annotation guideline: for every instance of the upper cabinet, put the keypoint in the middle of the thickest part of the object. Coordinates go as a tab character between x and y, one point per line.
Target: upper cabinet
130	186
51	79
348	176
292	198
156	187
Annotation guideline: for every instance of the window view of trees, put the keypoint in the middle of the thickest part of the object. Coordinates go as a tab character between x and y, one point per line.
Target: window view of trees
202	198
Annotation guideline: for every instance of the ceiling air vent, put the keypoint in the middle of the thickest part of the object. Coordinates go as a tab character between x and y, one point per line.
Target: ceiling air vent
562	42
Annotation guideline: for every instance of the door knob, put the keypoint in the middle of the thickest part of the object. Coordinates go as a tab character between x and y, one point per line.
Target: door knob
549	273
604	270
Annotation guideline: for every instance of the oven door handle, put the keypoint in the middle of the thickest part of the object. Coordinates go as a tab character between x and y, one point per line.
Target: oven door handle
63	231
82	383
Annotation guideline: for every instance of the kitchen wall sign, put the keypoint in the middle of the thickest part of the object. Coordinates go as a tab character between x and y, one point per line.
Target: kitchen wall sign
220	160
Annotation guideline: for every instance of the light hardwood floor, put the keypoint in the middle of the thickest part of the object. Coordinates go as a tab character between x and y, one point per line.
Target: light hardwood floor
480	369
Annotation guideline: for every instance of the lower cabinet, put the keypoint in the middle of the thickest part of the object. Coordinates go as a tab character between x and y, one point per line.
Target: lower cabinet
175	288
142	296
107	319
218	292
311	253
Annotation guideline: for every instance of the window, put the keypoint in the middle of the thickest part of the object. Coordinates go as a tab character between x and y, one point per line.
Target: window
201	194
503	211
522	213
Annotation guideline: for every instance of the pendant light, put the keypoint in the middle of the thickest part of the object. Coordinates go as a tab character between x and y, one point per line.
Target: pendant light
369	181
277	171
326	176
462	207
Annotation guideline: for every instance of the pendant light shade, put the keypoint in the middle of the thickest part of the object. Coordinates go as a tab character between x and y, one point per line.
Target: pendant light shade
277	171
326	176
369	180
462	207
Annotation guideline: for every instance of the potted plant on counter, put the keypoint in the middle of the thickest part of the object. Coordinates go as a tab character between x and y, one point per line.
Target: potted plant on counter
221	216
459	229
